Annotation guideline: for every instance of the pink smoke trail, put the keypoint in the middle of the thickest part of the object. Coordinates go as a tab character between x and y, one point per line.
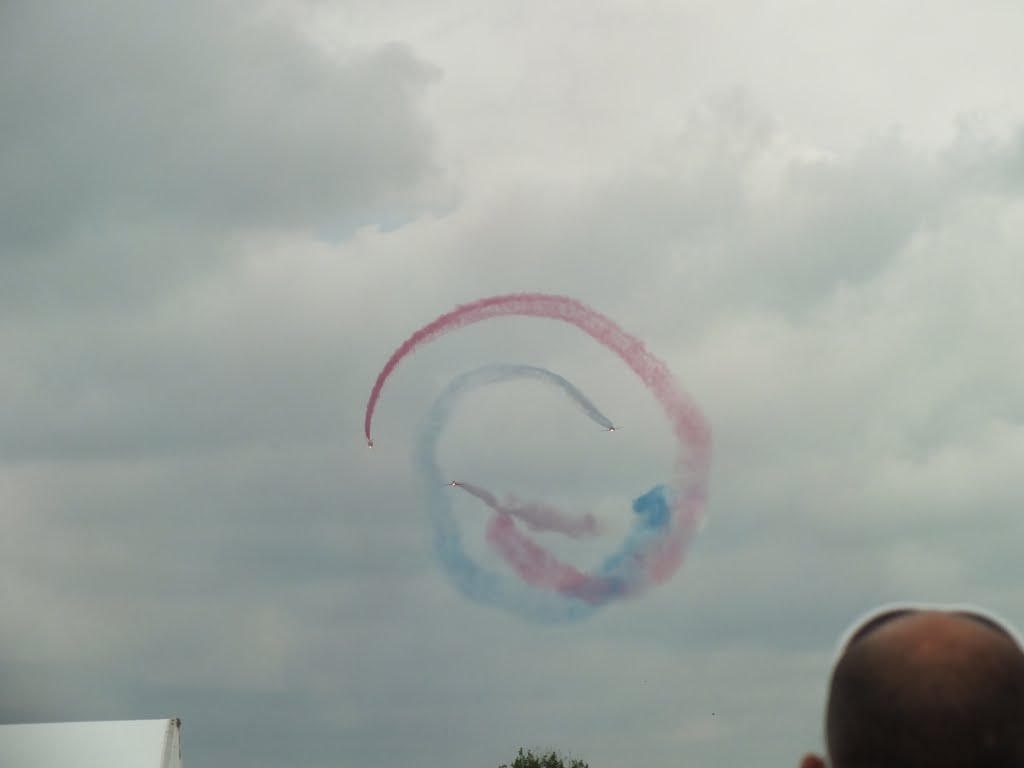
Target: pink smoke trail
536	515
534	564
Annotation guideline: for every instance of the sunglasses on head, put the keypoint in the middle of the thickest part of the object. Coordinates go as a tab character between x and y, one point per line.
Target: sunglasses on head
878	620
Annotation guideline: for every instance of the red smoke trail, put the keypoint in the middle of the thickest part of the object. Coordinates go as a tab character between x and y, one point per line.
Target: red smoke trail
684	418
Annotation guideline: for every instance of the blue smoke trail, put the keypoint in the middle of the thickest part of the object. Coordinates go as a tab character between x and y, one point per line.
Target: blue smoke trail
619	575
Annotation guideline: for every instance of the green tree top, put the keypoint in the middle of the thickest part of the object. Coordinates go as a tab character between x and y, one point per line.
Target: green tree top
550	760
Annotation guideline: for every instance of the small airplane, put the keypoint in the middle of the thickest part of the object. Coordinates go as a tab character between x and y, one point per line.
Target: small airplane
612	428
454	483
369	443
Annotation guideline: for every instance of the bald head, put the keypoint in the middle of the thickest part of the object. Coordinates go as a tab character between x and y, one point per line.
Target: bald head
928	689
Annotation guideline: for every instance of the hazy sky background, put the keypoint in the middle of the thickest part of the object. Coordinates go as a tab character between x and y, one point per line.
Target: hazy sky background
217	221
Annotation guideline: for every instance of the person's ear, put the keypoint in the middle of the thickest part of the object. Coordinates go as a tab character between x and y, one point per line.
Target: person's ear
812	761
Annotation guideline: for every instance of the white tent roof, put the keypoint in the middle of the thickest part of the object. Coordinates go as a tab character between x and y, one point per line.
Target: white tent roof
116	744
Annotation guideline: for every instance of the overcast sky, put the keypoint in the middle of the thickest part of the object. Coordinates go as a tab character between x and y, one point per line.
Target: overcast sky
217	221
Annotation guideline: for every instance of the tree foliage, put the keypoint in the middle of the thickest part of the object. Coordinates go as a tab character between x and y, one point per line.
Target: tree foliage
552	759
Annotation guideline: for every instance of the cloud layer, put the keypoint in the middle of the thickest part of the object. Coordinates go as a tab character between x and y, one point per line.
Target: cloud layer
216	223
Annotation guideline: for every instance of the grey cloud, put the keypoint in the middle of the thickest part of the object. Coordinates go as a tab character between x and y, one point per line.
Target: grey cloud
205	117
136	139
197	521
